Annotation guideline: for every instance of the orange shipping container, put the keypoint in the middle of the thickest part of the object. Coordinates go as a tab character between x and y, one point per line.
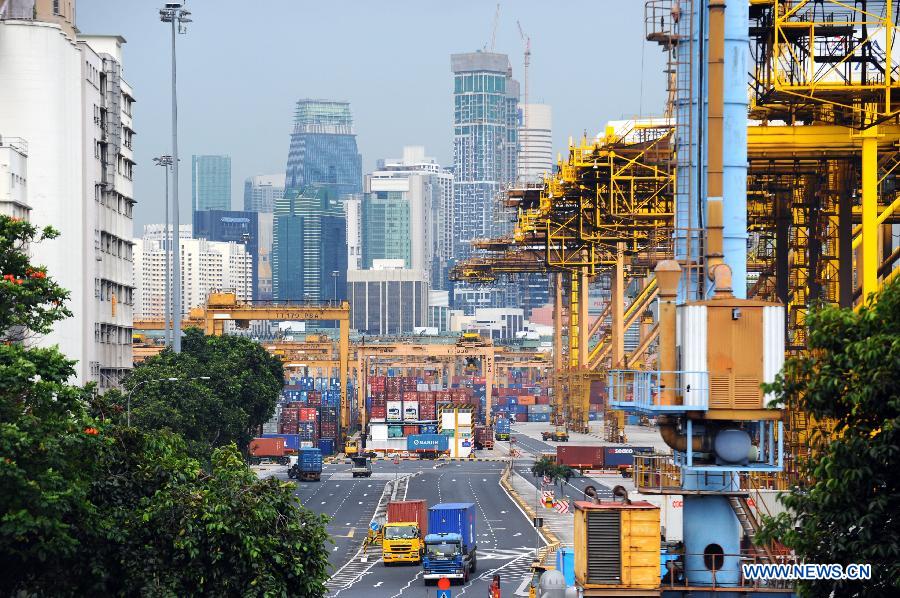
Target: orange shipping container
526	399
404	511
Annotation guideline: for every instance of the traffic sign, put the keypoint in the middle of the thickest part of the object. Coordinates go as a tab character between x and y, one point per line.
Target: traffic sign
562	507
374	526
443	584
444	594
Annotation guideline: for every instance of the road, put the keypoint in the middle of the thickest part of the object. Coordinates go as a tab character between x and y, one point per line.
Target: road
506	539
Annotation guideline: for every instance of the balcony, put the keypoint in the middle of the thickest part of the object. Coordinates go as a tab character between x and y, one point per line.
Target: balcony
646	392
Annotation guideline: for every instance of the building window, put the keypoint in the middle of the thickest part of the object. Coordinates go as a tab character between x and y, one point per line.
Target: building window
56	7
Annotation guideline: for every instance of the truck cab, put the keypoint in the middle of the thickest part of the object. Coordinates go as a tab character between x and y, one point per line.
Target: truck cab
446	555
558	434
361	467
402	543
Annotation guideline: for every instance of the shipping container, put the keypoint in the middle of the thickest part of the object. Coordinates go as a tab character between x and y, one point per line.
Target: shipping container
617	545
618	456
291	441
538	409
378	412
427	442
394	410
410	410
409	430
455	518
405	511
521	417
582	457
326	445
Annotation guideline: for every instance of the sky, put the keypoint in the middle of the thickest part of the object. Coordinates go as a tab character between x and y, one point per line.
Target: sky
243	65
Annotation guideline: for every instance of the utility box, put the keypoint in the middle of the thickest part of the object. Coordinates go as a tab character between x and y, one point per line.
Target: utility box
617	545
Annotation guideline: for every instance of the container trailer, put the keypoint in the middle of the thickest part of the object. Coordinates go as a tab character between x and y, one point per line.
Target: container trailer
273	449
308	466
450	546
404	532
501	431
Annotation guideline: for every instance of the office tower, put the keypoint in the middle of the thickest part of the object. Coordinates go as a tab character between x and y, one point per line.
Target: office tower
261	192
211	182
353	214
206	266
309	247
63	94
408	214
388	299
235	226
485	138
535	143
323	149
265	223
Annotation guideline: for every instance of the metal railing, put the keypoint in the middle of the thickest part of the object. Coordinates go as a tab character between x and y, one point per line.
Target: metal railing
656	472
722	571
644	390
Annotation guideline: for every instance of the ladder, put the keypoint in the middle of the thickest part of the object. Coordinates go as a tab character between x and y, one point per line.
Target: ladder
749	525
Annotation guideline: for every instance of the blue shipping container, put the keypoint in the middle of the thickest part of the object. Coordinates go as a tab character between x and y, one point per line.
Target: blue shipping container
633	420
455	518
565	564
310	459
326	445
428	429
291	441
502	425
427	442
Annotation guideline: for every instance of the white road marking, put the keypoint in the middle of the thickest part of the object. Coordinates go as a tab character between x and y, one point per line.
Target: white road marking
517	534
378	584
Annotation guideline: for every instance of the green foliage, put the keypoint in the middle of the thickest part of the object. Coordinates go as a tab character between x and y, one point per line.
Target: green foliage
558	474
848	512
91	507
29	300
244	383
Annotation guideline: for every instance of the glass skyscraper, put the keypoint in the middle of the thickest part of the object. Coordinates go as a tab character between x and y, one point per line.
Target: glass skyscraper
323	148
211	182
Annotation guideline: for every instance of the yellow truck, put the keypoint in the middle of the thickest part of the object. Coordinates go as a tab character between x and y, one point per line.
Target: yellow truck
404	532
351	447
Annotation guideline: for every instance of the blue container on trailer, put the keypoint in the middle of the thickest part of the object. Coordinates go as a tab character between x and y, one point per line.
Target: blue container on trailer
565	564
454	518
633	420
427	442
291	441
310	459
502	425
326	445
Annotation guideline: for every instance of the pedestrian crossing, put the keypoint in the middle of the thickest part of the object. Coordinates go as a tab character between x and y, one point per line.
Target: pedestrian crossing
514	572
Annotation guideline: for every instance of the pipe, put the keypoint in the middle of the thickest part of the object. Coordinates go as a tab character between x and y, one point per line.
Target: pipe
668	430
668	274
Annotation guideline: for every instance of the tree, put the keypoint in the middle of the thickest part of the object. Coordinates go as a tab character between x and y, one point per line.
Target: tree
847	513
91	507
240	395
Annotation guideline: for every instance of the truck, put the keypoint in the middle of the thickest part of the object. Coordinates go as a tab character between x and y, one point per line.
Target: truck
450	549
484	438
351	447
361	467
308	466
501	429
618	458
272	449
428	446
557	434
404	532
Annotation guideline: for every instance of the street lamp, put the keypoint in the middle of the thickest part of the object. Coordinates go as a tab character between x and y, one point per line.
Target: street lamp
141	383
174	12
166	162
334	277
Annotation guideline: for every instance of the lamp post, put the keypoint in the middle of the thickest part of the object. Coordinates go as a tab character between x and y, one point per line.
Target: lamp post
141	383
166	162
174	13
334	277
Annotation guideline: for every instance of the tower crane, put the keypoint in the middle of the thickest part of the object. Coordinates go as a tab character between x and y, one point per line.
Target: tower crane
494	29
527	41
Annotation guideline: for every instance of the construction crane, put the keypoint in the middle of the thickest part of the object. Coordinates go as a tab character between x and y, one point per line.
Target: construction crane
494	29
527	41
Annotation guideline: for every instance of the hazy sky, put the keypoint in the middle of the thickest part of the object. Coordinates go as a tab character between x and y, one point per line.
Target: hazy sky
243	65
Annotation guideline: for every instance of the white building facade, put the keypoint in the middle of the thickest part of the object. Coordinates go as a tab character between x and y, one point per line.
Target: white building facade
387	299
64	94
262	191
206	266
535	143
14	178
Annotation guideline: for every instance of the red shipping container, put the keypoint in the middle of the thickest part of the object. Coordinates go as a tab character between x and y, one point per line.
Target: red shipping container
307	414
290	414
267	447
541	400
405	511
288	428
585	457
410	430
521	417
378	412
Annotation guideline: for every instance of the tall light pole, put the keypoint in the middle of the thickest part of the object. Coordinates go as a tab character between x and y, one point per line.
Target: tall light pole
141	383
174	13
334	277
166	162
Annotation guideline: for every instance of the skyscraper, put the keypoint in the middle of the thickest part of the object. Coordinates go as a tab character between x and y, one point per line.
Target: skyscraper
323	148
535	143
485	151
309	251
261	192
211	182
236	227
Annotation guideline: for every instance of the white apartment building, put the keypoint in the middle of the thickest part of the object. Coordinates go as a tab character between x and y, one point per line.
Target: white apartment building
535	143
353	217
157	232
14	177
64	94
206	266
429	190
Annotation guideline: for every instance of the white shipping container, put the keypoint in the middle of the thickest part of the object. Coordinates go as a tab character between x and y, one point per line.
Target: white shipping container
394	411
421	387
379	431
410	410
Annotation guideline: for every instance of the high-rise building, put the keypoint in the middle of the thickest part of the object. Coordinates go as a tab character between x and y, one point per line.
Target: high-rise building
353	205
309	248
235	226
211	182
485	152
63	94
323	149
206	266
265	223
14	178
387	299
535	143
485	144
262	191
408	214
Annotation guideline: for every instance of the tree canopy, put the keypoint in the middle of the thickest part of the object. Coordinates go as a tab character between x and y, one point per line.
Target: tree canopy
848	511
243	387
90	506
